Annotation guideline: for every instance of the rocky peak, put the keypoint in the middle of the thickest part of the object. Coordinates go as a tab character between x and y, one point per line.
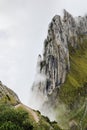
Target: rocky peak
55	64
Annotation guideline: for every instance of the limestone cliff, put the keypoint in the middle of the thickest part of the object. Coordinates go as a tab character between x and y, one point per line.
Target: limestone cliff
61	87
55	64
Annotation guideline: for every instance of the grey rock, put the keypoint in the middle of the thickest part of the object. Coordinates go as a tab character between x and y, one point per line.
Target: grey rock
54	64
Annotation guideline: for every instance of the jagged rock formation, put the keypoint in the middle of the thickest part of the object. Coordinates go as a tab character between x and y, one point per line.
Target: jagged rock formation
8	96
61	80
54	64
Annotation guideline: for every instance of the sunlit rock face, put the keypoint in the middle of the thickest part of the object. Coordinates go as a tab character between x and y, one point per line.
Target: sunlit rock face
54	65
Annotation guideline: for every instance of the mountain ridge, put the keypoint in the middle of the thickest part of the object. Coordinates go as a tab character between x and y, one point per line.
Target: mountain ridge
62	33
62	68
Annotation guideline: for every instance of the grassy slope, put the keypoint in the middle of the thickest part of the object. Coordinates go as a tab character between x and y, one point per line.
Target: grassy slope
7	96
34	118
43	122
74	88
73	92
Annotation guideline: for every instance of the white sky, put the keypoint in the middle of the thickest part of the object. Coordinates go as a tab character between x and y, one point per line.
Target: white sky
23	28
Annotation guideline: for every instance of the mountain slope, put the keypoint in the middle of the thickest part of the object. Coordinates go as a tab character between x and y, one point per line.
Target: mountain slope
7	96
32	112
16	116
73	93
62	88
54	64
76	81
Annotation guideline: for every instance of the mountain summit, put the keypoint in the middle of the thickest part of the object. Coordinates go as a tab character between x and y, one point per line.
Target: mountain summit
55	64
62	58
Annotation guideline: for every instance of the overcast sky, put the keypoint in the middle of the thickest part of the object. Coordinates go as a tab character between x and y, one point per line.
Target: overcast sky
23	28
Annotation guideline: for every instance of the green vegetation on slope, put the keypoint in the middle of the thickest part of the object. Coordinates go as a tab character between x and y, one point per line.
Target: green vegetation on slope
7	96
73	93
12	118
75	88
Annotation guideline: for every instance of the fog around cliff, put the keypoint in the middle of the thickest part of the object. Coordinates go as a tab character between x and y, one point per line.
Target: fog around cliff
23	28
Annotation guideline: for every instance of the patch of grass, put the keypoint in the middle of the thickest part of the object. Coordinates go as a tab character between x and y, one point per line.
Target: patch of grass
8	100
70	91
73	93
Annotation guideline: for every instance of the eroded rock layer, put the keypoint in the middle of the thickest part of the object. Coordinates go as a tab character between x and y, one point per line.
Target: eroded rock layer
54	65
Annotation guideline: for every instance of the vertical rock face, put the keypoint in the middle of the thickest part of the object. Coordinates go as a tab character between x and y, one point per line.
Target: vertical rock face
54	64
56	55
